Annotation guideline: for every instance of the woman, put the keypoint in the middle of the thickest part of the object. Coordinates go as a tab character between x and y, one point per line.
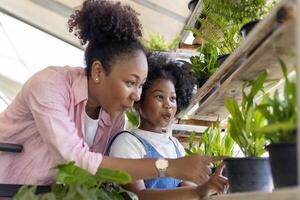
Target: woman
65	113
167	91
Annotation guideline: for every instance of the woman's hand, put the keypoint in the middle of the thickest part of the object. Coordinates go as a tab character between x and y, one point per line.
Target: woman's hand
217	184
193	168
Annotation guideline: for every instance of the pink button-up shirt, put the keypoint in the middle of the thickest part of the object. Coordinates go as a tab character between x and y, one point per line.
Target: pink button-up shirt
47	118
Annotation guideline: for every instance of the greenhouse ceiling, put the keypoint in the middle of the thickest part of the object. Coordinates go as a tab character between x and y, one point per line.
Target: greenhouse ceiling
167	17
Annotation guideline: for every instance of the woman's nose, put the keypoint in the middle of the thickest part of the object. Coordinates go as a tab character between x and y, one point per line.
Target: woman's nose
135	95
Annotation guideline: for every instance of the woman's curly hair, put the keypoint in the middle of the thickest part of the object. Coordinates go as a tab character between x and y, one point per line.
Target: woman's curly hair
161	66
109	28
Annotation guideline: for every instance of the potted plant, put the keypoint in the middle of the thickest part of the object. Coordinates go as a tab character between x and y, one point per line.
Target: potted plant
157	42
243	14
252	172
212	142
77	183
280	131
204	64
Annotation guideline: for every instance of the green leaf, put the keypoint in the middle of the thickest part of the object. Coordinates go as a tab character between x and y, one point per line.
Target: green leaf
113	175
69	173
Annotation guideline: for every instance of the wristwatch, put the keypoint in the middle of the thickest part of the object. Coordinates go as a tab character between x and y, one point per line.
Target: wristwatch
161	165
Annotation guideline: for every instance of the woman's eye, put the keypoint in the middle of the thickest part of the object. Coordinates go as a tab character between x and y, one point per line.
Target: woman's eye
141	86
130	83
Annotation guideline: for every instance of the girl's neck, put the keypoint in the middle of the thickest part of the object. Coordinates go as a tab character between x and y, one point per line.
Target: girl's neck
149	127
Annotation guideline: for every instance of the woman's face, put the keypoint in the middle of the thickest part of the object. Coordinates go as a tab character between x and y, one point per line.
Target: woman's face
118	90
159	105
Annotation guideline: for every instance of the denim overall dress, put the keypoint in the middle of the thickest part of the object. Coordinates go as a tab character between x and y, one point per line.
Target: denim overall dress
151	152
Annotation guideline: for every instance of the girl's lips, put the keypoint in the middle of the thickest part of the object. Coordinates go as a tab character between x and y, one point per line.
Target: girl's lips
166	116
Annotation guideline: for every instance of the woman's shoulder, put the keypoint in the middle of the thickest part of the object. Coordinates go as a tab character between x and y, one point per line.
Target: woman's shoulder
54	73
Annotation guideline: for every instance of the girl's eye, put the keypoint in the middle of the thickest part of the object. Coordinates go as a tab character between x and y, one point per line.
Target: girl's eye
159	97
130	83
173	99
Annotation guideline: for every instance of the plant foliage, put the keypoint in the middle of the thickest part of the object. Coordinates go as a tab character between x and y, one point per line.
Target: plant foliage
281	111
76	183
211	143
246	119
157	42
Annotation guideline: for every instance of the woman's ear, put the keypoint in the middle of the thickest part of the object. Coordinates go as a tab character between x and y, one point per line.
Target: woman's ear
97	71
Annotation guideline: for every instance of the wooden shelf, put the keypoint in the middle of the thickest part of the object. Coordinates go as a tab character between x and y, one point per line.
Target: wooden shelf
258	52
281	194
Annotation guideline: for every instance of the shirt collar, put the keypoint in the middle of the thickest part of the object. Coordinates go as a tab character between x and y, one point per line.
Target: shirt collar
105	117
80	87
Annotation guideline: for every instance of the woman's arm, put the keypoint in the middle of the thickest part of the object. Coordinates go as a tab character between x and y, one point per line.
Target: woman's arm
145	168
216	184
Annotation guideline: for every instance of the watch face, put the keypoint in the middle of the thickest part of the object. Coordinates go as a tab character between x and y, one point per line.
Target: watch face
161	163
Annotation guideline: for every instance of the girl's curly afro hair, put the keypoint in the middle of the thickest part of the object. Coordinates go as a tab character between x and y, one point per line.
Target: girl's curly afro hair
110	29
162	67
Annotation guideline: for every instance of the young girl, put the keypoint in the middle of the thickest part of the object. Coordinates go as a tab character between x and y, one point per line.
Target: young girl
167	90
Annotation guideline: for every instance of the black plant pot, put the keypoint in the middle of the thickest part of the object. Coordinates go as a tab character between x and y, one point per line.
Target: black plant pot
213	170
283	161
246	28
248	174
192	5
201	82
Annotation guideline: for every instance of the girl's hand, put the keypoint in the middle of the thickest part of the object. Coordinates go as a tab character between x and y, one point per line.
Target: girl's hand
193	168
217	184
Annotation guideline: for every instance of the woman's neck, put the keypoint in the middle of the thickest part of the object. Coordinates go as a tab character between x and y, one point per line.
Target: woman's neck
92	110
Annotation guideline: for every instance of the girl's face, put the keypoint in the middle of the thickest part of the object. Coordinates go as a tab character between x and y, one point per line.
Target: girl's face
118	90
159	106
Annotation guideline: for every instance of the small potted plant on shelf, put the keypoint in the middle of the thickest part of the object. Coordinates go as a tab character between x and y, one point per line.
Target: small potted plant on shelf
77	183
204	64
252	172
212	142
280	131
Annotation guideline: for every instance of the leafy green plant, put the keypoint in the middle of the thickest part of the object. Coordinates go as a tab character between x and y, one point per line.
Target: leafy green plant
244	120
157	42
132	118
218	32
79	184
224	18
211	143
205	64
240	11
281	112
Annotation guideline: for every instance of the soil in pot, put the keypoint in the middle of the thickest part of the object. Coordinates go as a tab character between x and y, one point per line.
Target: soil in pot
248	174
283	161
